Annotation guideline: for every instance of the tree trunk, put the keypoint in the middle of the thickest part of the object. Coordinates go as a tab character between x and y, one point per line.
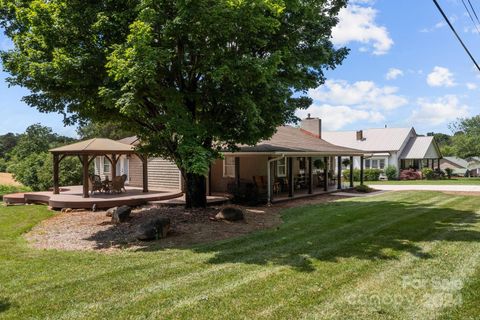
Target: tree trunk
195	191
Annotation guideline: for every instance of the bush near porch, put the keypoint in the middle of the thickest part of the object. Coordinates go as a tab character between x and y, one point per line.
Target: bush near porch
368	174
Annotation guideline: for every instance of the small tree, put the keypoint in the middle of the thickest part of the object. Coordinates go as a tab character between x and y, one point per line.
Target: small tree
391	172
449	172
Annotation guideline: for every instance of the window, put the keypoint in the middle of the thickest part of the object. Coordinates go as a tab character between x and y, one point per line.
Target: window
281	167
229	167
367	163
382	163
374	164
106	165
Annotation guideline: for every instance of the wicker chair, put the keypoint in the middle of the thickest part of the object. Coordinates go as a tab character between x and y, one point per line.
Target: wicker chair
94	184
118	184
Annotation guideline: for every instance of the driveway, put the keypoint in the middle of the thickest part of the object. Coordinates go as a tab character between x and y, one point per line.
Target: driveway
459	188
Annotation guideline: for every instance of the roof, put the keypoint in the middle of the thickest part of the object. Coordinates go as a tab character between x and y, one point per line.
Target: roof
374	140
286	139
291	139
95	146
418	148
458	161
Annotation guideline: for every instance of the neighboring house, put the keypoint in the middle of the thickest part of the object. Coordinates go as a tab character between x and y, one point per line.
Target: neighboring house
295	161
402	148
469	167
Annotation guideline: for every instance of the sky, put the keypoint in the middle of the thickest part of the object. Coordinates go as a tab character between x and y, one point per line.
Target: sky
405	68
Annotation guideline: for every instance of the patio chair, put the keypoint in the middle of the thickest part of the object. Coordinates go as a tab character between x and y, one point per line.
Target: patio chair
118	184
94	183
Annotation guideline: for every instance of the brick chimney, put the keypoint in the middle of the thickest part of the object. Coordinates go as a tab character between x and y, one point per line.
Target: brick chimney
312	126
360	135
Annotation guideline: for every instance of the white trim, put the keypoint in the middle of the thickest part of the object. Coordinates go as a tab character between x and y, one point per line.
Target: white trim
277	163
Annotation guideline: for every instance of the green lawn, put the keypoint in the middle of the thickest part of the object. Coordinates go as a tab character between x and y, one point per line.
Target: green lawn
453	181
399	255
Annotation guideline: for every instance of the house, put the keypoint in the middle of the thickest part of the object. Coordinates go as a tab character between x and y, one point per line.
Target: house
295	161
402	148
469	167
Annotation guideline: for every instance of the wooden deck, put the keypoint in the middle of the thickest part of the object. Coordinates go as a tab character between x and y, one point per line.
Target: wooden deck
71	197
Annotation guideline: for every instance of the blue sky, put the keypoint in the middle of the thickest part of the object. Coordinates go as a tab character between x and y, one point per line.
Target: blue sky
405	68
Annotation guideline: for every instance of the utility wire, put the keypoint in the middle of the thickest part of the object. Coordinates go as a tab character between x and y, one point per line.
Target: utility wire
474	12
470	15
456	34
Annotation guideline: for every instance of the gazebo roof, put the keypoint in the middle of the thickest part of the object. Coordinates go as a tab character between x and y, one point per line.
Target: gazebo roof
95	146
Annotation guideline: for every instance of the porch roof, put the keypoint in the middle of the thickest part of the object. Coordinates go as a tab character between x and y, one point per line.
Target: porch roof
289	139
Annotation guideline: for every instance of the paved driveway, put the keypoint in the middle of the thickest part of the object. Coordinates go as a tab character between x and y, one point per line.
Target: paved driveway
462	188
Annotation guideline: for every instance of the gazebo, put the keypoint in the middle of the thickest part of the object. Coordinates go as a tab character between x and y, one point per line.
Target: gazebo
87	151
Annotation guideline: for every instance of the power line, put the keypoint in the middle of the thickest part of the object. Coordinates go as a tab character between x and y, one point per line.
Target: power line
456	34
470	15
474	12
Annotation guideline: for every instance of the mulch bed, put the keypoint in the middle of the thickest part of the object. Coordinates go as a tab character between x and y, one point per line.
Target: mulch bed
86	230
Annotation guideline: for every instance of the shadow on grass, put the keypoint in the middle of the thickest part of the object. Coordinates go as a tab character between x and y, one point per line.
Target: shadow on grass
4	305
360	230
369	230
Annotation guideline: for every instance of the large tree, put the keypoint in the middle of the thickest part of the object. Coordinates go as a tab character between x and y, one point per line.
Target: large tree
466	140
191	77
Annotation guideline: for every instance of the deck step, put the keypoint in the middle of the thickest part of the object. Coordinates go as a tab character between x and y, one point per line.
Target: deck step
14	198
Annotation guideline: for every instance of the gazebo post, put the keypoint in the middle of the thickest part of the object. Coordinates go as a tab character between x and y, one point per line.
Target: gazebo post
56	180
85	175
114	166
145	172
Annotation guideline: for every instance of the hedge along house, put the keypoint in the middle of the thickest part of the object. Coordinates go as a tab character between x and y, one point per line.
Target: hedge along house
294	162
402	148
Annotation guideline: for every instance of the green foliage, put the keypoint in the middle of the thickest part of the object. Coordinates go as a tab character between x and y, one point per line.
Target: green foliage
427	173
189	77
466	141
31	163
364	188
368	174
7	143
319	164
3	165
346	162
104	129
391	172
449	172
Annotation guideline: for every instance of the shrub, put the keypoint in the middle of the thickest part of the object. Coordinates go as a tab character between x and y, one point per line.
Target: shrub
363	188
427	173
372	174
449	172
356	174
3	165
410	174
430	174
391	172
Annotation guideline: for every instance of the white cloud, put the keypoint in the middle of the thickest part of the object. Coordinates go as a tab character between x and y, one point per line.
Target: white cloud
393	73
471	86
439	111
438	25
357	23
440	77
337	117
364	94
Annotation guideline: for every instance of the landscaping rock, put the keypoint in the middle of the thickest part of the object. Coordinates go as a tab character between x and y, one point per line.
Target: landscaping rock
111	211
154	229
121	214
230	214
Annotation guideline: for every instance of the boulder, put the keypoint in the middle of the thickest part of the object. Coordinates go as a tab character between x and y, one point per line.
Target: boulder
111	211
230	214
121	214
154	229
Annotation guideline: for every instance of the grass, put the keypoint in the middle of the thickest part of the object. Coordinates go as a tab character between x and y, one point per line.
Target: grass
400	255
453	181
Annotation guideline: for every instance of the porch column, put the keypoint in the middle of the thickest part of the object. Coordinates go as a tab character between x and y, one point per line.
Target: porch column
114	166
351	172
325	174
433	164
290	176
85	175
361	170
339	172
56	183
438	164
210	180
144	159
310	175
237	171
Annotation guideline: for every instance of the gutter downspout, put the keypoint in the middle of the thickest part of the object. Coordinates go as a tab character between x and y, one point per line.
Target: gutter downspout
269	184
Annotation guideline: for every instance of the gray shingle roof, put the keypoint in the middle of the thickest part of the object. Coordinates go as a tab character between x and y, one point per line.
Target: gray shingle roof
291	139
375	140
458	161
417	148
